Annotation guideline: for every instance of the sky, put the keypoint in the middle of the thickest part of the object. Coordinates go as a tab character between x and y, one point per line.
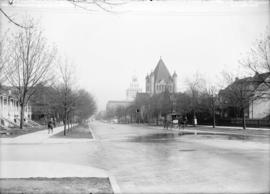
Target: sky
108	48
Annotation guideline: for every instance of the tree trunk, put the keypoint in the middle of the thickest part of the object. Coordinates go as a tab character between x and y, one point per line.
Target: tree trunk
22	116
214	120
64	126
194	116
243	119
214	116
65	122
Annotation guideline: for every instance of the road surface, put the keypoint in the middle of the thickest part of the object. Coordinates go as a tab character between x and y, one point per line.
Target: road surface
151	160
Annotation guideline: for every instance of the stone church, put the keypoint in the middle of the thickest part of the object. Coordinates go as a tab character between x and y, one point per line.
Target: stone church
160	79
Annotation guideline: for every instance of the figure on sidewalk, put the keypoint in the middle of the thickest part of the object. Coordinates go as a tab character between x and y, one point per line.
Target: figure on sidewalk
54	122
165	122
50	126
185	121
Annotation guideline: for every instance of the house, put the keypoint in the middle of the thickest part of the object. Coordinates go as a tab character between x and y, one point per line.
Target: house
259	105
10	109
249	96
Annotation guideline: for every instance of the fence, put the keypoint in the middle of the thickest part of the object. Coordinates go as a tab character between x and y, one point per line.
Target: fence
237	122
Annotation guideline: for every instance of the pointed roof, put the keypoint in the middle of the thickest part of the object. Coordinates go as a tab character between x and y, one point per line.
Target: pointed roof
161	72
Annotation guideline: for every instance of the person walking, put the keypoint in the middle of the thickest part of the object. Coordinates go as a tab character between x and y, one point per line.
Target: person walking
185	121
50	127
180	122
165	121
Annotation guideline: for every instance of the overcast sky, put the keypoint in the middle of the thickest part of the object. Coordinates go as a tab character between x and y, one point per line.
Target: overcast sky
109	48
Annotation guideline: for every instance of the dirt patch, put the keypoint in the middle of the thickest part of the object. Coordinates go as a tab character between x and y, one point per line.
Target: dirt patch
55	185
79	131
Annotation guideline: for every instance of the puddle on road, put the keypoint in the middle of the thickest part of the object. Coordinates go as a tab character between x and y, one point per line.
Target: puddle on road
187	150
155	137
162	137
159	137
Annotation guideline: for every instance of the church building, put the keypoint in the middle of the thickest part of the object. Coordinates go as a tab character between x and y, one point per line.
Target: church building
160	79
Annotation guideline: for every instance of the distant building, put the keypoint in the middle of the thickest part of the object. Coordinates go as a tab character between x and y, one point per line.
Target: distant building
160	79
133	89
113	105
10	109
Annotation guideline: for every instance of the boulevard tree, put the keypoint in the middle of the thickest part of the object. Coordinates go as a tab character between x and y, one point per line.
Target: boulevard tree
85	105
30	59
65	94
195	88
211	103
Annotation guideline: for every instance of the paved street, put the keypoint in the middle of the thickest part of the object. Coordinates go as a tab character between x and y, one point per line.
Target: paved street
145	159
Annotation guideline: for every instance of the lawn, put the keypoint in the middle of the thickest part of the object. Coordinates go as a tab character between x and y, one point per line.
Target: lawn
79	131
55	185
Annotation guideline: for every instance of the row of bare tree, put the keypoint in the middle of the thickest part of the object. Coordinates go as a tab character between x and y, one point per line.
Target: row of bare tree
27	62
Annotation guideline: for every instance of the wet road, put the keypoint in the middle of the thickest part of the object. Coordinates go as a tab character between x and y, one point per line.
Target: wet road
146	160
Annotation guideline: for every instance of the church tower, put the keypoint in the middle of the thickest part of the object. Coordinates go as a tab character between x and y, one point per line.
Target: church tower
161	80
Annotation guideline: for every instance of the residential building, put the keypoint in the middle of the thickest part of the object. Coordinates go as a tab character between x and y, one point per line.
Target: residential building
160	79
251	94
10	109
259	105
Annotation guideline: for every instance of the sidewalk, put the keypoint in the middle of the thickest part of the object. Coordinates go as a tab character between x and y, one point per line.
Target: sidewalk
258	132
233	127
31	138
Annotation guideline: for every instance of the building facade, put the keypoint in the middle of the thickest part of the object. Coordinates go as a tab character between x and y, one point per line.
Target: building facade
133	89
251	94
259	105
10	109
160	80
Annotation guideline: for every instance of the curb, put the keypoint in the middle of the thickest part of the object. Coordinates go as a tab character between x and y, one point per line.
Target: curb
115	186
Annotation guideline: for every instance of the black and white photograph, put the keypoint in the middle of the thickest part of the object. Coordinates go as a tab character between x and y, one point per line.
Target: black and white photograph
134	96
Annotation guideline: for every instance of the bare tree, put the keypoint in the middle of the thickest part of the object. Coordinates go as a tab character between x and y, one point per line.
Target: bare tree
2	63
195	87
66	97
238	95
105	5
30	59
258	58
211	92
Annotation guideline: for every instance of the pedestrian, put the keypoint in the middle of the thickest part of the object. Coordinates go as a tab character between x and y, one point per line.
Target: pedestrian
54	122
180	121
165	121
50	126
185	121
